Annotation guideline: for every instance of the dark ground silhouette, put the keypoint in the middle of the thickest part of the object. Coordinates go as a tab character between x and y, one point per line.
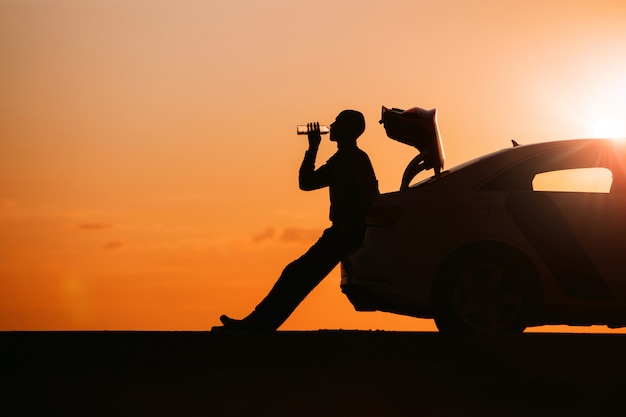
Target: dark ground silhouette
330	373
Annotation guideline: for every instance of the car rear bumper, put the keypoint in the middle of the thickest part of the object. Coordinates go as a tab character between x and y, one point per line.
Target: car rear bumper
373	293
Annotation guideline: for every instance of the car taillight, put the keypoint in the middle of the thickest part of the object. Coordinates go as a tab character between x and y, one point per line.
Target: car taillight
383	216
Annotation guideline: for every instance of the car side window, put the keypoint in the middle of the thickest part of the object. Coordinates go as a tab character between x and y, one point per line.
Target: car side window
590	169
583	180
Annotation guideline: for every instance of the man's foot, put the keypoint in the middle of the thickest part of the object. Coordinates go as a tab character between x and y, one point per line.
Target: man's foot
246	325
228	321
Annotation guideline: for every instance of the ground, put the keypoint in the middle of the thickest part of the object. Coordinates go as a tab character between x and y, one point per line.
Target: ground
329	373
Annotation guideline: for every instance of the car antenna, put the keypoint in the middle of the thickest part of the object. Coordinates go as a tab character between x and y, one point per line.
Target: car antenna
514	143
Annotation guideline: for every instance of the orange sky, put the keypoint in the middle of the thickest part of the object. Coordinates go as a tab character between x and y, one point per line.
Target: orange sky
148	160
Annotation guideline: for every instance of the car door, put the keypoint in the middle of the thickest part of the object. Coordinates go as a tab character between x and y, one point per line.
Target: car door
597	221
575	222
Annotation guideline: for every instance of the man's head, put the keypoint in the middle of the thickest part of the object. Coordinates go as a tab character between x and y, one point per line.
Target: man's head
347	127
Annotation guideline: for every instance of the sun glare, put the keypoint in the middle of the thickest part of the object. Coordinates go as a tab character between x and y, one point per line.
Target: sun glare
611	125
607	119
621	141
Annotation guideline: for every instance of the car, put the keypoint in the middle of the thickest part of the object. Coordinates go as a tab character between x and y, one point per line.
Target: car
525	236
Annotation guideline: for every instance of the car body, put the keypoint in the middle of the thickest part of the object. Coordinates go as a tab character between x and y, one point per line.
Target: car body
480	247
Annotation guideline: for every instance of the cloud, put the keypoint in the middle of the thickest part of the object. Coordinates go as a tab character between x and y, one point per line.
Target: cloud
288	235
113	244
10	210
95	226
8	204
266	234
300	235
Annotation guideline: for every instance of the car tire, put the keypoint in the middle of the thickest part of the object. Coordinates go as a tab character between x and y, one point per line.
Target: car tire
482	290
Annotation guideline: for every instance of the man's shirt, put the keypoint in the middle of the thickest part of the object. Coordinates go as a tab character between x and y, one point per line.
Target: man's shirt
351	180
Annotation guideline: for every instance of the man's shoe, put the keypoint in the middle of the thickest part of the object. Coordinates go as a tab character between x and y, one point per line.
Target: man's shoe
246	325
227	321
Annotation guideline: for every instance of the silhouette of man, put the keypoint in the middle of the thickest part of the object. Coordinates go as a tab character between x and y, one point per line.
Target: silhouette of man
353	186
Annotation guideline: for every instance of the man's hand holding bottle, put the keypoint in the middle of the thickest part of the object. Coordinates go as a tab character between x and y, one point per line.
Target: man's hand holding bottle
314	135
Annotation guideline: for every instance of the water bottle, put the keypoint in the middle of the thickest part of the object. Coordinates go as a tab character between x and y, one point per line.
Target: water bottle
302	129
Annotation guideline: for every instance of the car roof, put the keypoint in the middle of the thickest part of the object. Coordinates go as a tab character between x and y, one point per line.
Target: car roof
504	158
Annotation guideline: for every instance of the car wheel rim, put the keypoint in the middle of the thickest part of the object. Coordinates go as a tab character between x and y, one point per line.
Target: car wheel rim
488	297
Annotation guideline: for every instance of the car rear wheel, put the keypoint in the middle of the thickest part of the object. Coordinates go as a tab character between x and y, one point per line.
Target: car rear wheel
481	291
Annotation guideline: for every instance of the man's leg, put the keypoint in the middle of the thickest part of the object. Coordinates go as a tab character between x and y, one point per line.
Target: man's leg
300	277
297	280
